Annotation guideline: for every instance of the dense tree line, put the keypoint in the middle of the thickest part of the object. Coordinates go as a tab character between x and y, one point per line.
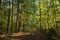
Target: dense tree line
24	15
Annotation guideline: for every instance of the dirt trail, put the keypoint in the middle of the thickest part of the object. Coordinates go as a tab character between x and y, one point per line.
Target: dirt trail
26	36
20	34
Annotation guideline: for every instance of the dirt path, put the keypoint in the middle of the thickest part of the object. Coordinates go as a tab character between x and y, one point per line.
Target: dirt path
26	36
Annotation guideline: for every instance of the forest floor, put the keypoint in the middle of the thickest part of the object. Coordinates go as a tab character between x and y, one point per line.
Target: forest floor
24	36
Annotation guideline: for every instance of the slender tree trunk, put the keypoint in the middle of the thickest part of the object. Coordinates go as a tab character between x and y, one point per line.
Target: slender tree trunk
0	20
12	19
40	14
0	12
4	21
17	19
8	21
8	25
20	17
0	4
54	11
48	15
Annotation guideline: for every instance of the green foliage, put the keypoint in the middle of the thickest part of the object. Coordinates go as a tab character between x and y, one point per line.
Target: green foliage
28	14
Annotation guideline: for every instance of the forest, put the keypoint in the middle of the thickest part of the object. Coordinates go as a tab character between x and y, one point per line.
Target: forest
32	19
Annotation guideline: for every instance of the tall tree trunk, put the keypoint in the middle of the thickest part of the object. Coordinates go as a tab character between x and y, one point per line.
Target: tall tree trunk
40	14
8	21
20	16
0	4
54	11
0	20
4	21
17	19
12	18
0	12
8	25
